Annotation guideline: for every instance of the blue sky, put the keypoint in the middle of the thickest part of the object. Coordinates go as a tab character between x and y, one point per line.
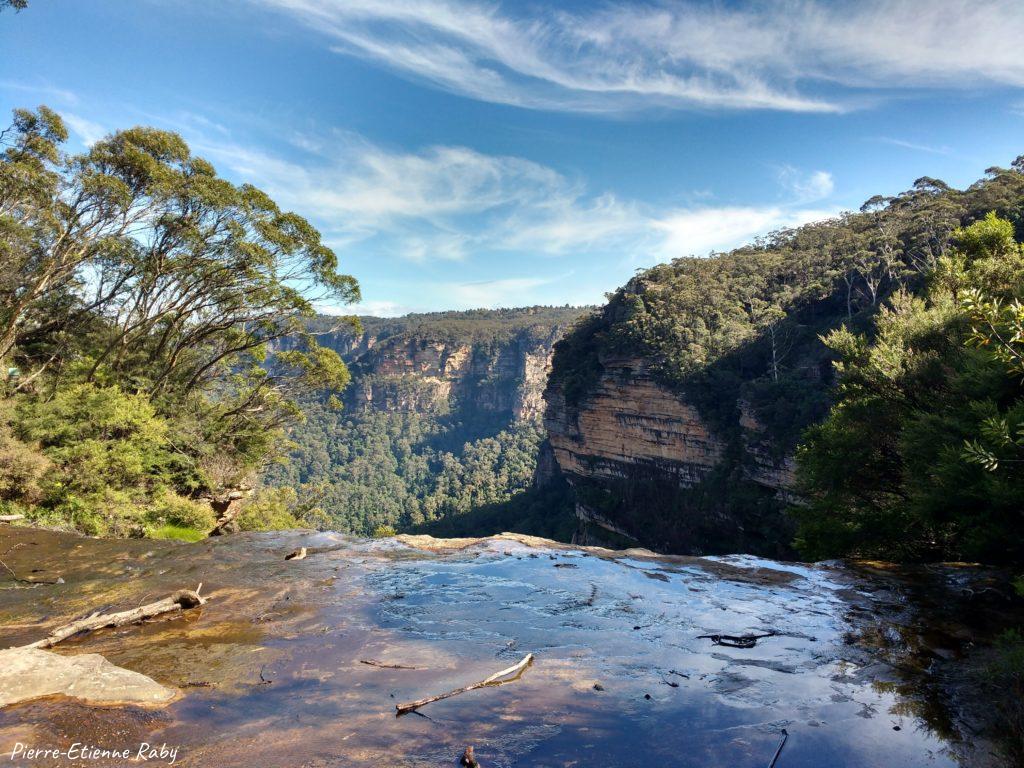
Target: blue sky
473	153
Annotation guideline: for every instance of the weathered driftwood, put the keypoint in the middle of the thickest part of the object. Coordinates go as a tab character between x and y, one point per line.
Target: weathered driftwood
226	507
785	736
736	641
298	554
10	518
375	663
498	678
179	601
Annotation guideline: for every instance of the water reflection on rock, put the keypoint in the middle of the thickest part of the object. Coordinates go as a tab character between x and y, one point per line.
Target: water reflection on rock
270	668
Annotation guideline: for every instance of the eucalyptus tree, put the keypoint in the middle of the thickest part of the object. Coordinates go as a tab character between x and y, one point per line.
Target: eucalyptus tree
136	265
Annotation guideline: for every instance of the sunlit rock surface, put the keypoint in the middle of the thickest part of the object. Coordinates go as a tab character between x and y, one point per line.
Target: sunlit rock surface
270	674
30	673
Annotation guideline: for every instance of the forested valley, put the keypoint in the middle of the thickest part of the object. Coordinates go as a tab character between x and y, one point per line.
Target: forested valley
163	361
439	430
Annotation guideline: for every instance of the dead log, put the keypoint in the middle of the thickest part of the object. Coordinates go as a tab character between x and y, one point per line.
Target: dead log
498	678
298	554
382	665
179	601
226	507
785	737
735	641
10	518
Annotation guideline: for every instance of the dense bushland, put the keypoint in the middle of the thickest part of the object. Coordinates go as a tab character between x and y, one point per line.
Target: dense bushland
762	326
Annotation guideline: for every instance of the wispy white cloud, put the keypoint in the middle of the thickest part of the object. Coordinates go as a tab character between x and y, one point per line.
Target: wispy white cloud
374	308
805	187
794	55
40	90
88	131
490	294
916	147
451	203
702	230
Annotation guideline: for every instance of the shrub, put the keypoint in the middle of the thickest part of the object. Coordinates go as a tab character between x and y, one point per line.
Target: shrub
1004	677
22	468
269	509
109	512
177	511
100	437
177	533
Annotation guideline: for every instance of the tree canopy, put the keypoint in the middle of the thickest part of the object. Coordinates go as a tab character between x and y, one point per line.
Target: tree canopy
134	271
922	455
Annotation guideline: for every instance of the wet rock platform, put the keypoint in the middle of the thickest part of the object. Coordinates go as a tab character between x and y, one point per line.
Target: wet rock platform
270	672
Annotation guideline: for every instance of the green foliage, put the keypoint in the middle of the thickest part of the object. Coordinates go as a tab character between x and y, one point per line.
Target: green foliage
401	469
100	437
547	511
723	327
1003	682
742	334
102	461
475	326
139	294
383	532
920	456
22	469
271	509
407	454
178	533
182	512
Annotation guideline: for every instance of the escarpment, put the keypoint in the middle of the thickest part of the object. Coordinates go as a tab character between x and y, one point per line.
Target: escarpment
675	411
439	425
630	423
424	371
645	464
504	379
486	364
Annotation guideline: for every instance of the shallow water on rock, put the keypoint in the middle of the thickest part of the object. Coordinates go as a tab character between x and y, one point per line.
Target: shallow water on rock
270	669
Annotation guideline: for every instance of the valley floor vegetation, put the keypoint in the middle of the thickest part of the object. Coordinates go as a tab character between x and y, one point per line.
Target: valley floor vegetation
142	295
402	451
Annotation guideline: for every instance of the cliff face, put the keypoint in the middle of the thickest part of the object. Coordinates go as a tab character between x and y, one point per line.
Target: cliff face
485	366
641	457
500	378
630	423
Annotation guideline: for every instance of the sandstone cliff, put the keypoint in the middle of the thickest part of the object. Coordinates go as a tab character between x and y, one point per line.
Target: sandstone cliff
470	363
641	459
504	379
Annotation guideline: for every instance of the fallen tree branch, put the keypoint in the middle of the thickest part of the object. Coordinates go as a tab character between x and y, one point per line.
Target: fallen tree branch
21	580
382	665
179	601
10	518
785	736
735	641
298	554
498	678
